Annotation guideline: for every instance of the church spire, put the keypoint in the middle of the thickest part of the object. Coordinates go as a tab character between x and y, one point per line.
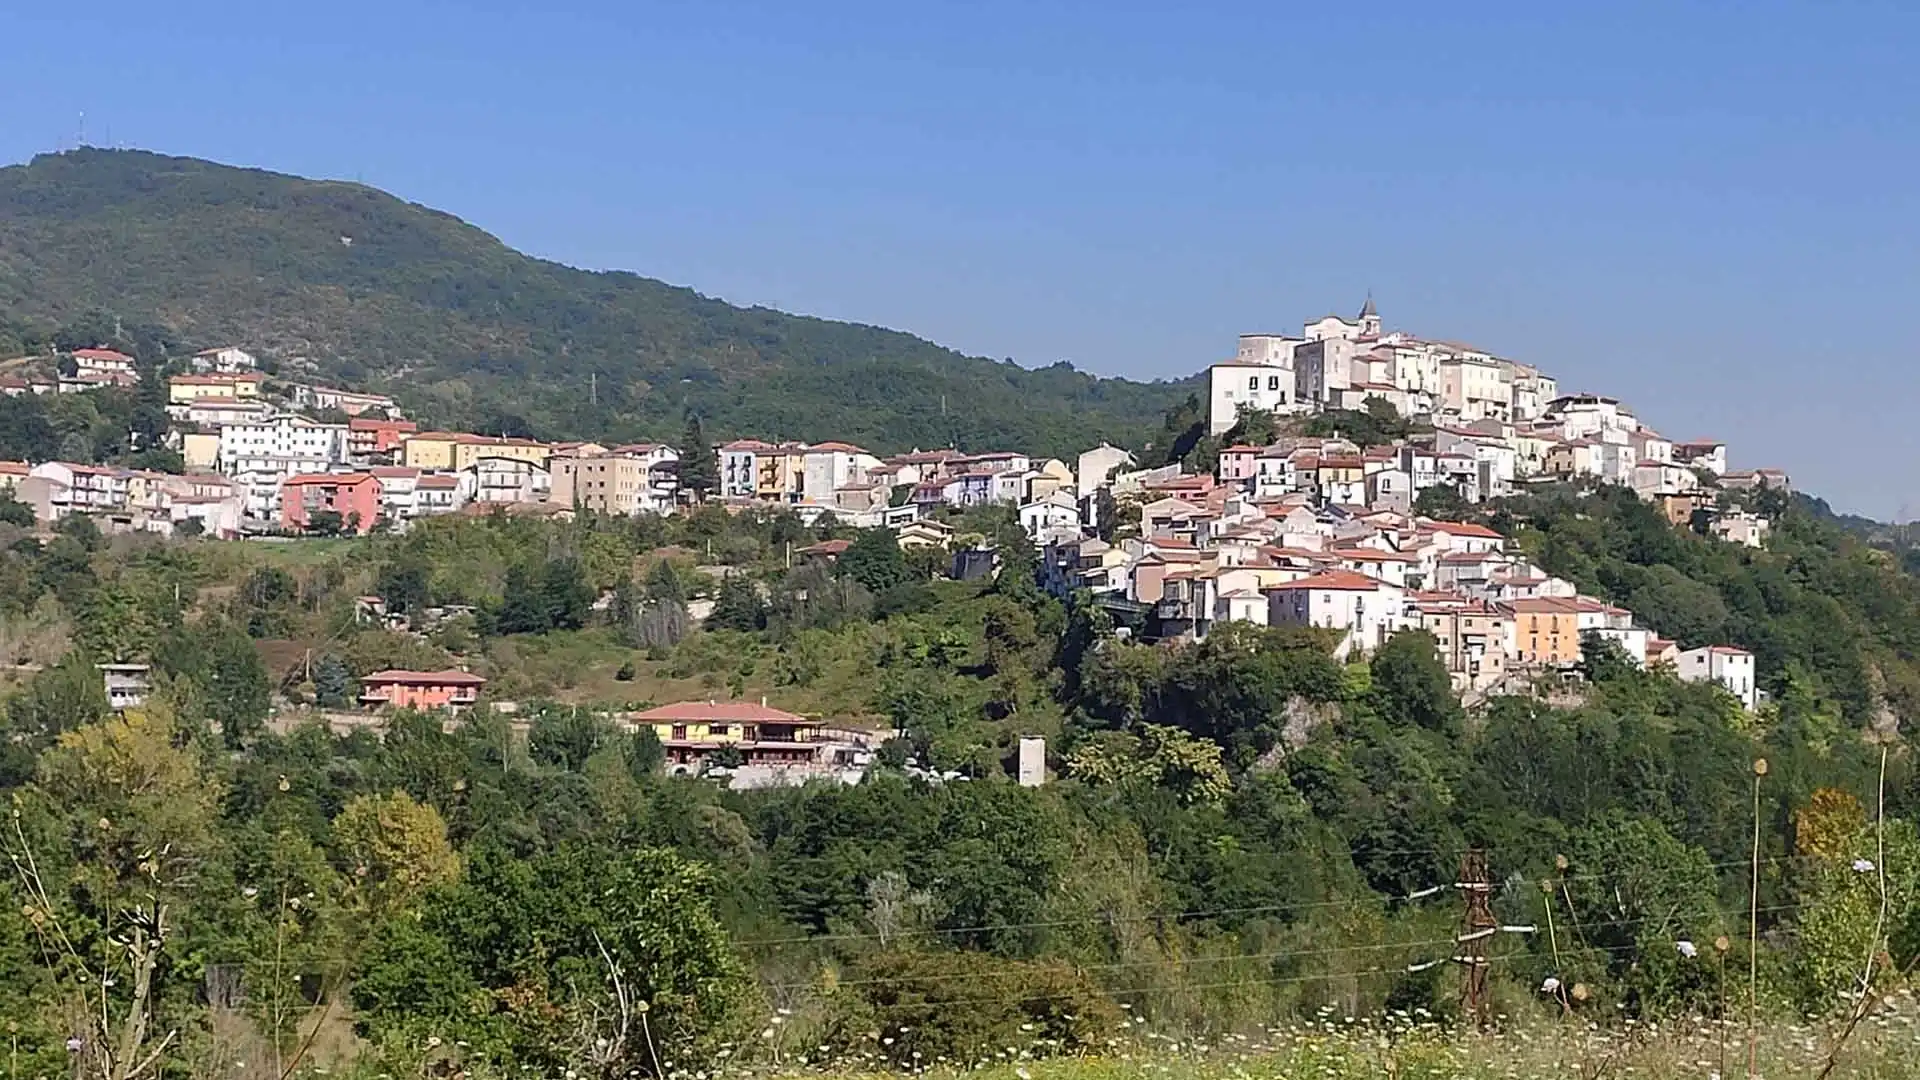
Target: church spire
1370	317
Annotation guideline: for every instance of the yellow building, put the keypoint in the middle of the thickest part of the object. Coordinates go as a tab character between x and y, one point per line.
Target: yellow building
430	449
187	389
782	472
1546	630
200	450
693	731
471	448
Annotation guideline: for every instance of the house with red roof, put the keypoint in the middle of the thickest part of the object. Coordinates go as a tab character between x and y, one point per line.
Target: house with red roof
423	690
1366	610
355	497
103	362
692	732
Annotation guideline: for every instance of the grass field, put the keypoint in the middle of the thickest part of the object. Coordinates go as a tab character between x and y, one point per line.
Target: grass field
1885	1046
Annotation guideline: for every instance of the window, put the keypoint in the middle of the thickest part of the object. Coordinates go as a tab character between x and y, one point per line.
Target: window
679	731
1253	382
1273	382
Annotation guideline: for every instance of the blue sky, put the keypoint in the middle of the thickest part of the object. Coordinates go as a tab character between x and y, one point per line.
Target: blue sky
1706	209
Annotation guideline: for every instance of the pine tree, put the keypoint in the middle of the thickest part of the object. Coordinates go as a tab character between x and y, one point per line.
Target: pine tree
699	466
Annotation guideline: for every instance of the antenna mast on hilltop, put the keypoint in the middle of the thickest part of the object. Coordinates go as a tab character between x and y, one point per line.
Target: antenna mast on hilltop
80	138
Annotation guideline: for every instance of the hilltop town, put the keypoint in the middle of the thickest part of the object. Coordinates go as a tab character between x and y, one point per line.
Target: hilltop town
1342	459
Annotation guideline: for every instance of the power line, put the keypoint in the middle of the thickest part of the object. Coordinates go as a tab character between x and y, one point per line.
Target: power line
1278	954
1181	916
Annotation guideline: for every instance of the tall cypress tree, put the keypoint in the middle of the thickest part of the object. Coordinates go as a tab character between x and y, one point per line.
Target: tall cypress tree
699	466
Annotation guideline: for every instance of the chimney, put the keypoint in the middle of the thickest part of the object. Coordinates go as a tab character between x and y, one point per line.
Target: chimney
763	701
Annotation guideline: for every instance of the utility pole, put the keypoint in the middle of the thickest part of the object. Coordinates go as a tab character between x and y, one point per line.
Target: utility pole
1477	926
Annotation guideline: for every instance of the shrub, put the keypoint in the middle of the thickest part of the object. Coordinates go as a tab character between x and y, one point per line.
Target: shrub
965	1006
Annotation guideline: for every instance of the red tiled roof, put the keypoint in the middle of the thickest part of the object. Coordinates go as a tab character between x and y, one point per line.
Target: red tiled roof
701	712
1333	579
101	354
1461	528
328	478
827	547
424	678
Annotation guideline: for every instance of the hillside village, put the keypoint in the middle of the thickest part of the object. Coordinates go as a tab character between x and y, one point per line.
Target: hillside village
1291	530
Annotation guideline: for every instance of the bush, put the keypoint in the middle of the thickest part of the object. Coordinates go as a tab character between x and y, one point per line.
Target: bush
913	999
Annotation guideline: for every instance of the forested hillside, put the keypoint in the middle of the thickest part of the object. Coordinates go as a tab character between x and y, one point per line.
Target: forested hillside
1236	832
387	295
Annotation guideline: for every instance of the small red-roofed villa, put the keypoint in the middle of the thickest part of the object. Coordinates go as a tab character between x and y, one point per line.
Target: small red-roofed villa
1367	609
692	731
424	690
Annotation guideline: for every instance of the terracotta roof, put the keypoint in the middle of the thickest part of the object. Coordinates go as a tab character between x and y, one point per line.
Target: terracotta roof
101	354
439	480
425	678
394	472
701	712
1544	605
837	447
827	547
329	478
1461	528
1366	554
1345	580
215	380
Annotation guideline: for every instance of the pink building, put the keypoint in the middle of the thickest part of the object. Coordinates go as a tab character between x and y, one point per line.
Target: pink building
1237	463
354	496
424	690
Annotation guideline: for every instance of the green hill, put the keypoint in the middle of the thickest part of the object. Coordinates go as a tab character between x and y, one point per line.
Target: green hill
348	283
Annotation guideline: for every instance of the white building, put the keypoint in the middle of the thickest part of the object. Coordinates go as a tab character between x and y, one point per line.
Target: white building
226	359
829	466
284	436
1475	386
218	412
1590	416
1369	611
1096	466
103	362
1743	528
1054	519
505	480
739	467
262	454
1729	666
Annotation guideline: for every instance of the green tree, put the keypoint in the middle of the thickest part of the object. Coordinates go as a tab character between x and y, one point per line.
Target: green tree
234	679
404	583
1411	685
392	850
875	561
333	685
15	512
699	465
739	606
128	815
568	941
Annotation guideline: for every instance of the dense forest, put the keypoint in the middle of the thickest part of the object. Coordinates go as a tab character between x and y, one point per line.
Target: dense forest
1237	830
348	284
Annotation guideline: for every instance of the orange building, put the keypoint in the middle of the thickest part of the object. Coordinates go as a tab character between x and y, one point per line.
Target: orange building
425	690
354	496
367	437
1546	630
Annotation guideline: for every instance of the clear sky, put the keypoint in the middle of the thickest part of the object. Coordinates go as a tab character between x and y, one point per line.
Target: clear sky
1706	209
